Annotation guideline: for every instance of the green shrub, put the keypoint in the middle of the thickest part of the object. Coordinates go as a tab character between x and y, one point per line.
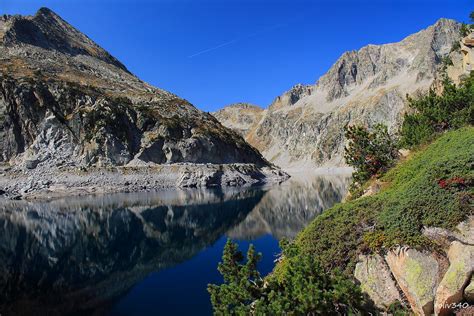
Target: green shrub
304	288
335	235
456	46
397	309
465	29
435	113
416	129
428	189
370	153
432	188
242	282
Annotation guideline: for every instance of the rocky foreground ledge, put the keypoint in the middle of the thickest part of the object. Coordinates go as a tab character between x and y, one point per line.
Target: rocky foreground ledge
42	183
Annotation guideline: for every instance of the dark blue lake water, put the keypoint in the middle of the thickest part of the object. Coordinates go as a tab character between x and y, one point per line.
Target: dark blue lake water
146	253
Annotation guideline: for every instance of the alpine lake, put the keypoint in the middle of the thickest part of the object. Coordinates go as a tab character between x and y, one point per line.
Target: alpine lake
145	253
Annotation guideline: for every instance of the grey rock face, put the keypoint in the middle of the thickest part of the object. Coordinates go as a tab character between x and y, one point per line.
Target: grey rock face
368	86
292	96
376	280
456	278
138	176
240	117
49	31
417	275
227	176
65	100
463	233
469	291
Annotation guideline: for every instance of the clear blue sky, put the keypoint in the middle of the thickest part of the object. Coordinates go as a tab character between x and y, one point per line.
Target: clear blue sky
213	53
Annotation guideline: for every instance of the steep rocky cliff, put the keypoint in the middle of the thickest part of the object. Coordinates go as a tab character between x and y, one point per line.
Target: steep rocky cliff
64	101
241	117
304	126
462	59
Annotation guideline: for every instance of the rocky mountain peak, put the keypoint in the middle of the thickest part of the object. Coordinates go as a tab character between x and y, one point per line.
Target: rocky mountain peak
374	65
49	31
292	96
304	126
65	101
47	12
244	105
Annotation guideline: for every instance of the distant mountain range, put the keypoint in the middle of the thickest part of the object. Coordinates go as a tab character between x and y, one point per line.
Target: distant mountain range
304	126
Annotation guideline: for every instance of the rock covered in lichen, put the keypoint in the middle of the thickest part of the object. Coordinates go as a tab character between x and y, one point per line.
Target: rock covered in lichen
424	276
376	280
469	291
417	275
450	290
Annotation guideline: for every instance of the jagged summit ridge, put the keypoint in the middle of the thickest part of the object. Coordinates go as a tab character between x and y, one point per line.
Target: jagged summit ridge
420	52
304	126
290	97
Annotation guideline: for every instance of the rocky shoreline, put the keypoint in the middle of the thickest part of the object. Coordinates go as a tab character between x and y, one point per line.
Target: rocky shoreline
43	183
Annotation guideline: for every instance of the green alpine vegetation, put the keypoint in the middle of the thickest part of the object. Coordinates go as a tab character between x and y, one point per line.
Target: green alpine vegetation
370	152
303	287
434	113
433	186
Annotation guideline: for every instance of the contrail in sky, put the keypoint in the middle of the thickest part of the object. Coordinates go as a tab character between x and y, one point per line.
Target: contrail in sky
213	48
235	40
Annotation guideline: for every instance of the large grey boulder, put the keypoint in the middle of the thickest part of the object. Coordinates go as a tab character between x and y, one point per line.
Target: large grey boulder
376	280
464	233
456	278
469	291
416	273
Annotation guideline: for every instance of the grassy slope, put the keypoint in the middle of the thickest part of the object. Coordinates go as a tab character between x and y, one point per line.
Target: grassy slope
413	197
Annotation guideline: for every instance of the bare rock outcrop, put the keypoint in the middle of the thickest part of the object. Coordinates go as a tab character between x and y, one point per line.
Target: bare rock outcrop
376	280
416	274
46	184
469	291
463	233
431	282
240	117
457	277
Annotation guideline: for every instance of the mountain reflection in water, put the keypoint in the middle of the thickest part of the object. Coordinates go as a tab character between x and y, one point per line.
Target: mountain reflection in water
82	254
